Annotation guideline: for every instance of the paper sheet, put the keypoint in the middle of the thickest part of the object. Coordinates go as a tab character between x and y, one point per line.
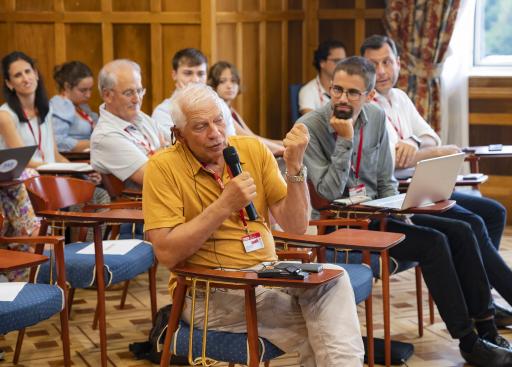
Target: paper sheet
116	247
9	291
78	167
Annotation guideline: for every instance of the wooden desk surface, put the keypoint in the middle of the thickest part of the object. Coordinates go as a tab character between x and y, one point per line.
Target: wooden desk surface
251	278
483	151
12	260
114	215
404	184
436	208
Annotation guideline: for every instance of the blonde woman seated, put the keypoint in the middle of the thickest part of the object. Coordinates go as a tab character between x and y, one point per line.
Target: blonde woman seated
73	119
225	80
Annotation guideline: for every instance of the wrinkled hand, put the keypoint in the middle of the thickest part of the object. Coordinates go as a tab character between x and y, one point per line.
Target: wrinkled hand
344	128
238	192
295	144
94	177
405	152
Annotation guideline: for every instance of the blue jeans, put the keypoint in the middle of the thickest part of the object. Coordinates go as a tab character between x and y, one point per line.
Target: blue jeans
498	272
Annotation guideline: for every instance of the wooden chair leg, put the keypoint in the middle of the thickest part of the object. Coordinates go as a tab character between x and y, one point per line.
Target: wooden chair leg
100	286
252	327
267	363
174	318
231	364
419	299
19	342
368	305
152	291
124	294
431	308
64	327
386	308
71	297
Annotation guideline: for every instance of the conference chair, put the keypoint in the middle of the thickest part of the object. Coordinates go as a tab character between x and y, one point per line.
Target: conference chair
35	302
327	214
50	194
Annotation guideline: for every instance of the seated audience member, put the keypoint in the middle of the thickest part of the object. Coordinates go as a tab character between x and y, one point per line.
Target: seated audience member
445	248
190	216
25	118
125	136
73	119
224	78
315	93
412	139
189	65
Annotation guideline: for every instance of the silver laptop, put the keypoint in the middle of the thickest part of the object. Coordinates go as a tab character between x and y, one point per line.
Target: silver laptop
13	161
433	180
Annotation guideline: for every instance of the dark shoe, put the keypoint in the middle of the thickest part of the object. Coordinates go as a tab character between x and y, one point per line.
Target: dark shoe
503	316
498	340
485	354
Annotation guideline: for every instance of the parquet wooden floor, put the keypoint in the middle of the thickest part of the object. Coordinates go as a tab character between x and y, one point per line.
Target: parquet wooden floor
42	344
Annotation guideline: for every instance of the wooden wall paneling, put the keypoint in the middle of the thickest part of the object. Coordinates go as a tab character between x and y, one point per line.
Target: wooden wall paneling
377	4
35	39
208	29
59	33
251	5
88	36
107	33
227	43
284	121
295	47
156	82
130	5
227	5
174	38
82	5
295	4
274	91
251	75
181	5
499	188
336	4
372	26
359	28
34	5
4	46
263	97
339	29
133	41
310	33
239	102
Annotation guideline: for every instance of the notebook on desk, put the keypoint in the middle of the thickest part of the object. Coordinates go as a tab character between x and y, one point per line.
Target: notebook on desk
13	161
433	180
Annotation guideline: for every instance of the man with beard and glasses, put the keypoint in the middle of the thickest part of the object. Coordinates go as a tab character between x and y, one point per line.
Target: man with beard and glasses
412	139
349	151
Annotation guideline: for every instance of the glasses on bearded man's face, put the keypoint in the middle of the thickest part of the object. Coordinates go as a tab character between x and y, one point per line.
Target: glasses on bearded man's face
353	95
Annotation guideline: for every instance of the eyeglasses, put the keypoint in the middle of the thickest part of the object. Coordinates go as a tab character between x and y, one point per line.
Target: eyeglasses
130	93
335	61
353	95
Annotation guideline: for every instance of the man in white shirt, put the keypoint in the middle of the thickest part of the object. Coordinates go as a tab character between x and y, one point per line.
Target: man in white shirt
189	65
412	139
315	93
125	136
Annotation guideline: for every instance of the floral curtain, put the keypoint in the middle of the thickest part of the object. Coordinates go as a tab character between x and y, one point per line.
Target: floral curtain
422	30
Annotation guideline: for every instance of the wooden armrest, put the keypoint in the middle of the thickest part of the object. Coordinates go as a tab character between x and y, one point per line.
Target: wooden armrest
33	240
251	278
357	239
12	260
359	223
121	204
304	255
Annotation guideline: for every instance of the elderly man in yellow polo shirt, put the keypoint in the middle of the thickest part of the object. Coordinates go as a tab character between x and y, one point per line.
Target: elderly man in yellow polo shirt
192	214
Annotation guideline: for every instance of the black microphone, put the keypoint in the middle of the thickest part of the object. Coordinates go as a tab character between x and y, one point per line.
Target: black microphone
233	162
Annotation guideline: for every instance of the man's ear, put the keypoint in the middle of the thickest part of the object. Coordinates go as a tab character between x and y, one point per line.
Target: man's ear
174	75
398	61
177	134
106	95
370	95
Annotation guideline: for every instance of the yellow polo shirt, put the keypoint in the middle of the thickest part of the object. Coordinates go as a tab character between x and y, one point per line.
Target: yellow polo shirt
177	189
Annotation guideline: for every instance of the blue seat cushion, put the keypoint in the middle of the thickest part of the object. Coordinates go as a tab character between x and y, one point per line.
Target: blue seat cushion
356	257
81	269
220	346
361	279
35	303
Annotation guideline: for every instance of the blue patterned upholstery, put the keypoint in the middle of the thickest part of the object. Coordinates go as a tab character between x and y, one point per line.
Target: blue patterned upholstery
356	257
80	269
361	279
131	230
220	346
35	302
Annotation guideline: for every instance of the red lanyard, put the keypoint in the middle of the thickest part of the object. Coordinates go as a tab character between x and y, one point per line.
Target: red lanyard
320	93
146	143
398	128
221	185
38	142
359	153
84	115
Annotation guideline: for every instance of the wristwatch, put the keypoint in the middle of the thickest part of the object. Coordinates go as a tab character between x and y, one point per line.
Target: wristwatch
415	139
301	177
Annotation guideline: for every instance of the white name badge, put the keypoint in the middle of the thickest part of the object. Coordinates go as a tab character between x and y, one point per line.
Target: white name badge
252	242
